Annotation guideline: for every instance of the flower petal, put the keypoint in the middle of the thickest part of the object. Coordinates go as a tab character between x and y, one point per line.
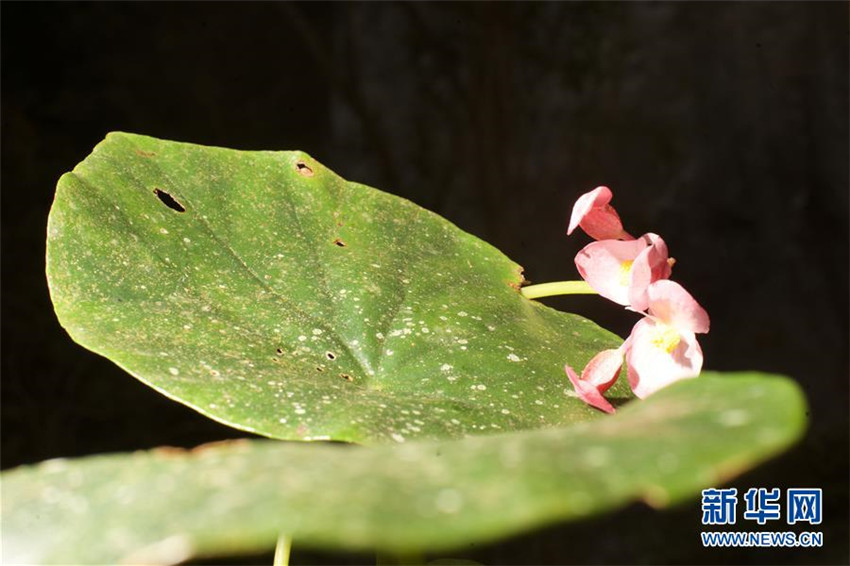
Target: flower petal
649	266
658	355
604	369
606	266
671	304
596	217
598	197
588	393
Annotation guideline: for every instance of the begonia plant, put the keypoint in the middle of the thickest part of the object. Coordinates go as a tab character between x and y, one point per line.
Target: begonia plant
414	376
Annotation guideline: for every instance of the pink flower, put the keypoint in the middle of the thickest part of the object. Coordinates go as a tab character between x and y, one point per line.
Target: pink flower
596	217
622	271
662	347
598	376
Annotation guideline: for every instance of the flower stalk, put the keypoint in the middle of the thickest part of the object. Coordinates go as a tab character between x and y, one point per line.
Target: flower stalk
282	550
557	288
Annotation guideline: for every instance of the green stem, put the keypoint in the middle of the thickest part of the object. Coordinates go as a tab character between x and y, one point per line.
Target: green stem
281	551
557	288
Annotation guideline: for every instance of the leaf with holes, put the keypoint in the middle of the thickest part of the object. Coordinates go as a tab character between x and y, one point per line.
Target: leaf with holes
165	506
270	294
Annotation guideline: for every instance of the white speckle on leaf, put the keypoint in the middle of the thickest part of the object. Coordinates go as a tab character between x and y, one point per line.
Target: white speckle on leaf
462	313
397	437
597	457
379	335
513	357
449	501
756	391
446	367
163	231
317	331
174	371
733	418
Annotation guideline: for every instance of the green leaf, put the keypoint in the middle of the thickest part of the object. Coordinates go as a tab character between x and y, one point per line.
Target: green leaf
168	505
268	293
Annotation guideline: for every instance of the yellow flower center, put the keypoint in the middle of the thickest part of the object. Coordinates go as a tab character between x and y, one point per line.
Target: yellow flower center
666	338
625	271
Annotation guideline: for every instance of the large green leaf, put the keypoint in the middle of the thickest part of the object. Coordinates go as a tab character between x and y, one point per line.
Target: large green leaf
268	293
167	505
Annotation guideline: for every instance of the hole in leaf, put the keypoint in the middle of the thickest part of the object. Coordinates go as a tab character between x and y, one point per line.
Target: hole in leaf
346	377
303	169
340	243
320	368
279	351
169	201
330	355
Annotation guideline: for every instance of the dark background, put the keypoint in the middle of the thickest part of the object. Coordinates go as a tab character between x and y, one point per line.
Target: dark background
722	127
